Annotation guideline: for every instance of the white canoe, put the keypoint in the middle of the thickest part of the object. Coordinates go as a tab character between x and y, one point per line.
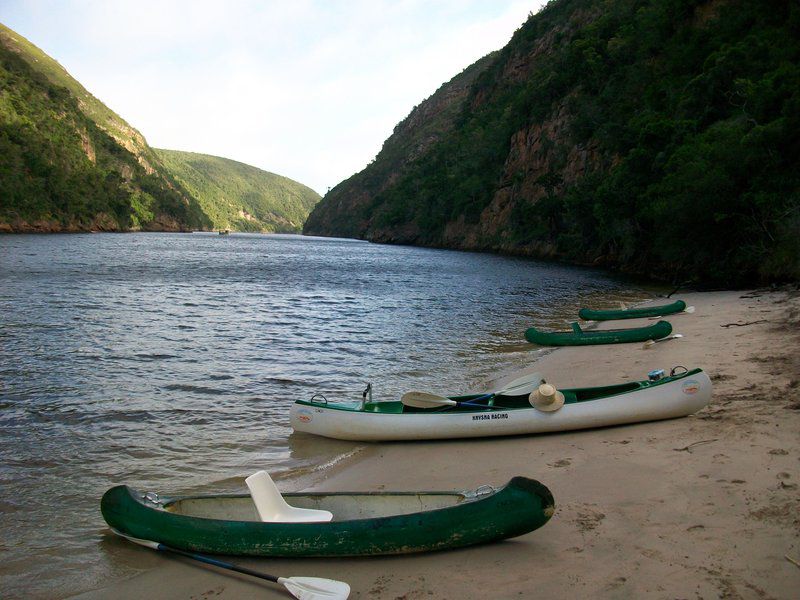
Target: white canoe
667	398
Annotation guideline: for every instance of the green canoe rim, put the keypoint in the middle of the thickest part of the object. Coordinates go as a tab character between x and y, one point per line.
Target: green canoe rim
501	403
520	506
588	314
579	337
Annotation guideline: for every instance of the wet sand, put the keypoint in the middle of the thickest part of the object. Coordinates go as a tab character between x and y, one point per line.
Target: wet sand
706	506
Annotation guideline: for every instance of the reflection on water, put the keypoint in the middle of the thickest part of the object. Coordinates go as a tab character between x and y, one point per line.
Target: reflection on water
169	362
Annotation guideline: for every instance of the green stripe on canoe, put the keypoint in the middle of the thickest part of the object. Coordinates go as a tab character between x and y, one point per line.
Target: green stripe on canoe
588	314
365	523
588	338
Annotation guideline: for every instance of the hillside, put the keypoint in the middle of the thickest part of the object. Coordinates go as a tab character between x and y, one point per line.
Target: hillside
237	196
68	163
347	208
653	136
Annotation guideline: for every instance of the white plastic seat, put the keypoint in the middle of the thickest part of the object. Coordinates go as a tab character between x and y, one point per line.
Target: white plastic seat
271	506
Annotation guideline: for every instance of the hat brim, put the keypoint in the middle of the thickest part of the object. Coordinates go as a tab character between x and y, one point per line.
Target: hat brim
536	401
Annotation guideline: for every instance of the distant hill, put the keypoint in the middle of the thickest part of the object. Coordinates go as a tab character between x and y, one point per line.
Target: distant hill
658	137
240	197
69	163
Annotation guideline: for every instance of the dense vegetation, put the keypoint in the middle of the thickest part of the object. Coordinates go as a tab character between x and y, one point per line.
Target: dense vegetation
69	163
239	197
686	114
60	171
350	204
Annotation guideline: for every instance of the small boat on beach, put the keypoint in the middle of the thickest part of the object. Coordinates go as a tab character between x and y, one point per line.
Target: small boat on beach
363	523
579	337
505	412
632	313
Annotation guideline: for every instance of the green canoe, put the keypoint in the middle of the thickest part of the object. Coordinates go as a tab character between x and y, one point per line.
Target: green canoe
364	523
632	313
578	337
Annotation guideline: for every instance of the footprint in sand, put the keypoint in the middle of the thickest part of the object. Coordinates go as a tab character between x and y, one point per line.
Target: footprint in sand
589	519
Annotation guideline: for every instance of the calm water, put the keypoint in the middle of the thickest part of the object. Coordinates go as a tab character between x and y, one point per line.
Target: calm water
169	362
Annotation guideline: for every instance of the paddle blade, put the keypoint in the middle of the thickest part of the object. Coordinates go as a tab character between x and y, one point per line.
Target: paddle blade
689	309
425	400
522	386
315	588
145	543
649	343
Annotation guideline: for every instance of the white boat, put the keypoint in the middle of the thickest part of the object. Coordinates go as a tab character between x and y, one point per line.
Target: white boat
499	414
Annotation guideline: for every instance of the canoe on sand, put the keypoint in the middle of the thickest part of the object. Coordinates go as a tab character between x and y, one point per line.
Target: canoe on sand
632	313
364	523
578	337
479	415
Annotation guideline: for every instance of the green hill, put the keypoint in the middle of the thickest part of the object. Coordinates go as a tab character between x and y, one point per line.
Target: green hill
653	136
68	163
239	197
348	209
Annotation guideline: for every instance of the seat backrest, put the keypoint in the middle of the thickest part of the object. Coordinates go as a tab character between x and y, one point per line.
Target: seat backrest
266	496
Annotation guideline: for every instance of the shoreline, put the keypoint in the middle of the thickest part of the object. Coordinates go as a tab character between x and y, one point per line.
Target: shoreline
703	506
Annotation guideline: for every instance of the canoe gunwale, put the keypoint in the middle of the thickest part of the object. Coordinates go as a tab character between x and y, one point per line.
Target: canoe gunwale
518	507
601	336
670	397
575	396
588	314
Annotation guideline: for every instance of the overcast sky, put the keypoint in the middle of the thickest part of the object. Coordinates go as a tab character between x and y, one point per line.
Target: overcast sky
304	88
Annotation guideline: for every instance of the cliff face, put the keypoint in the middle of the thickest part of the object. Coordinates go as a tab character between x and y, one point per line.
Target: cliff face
346	211
69	163
650	136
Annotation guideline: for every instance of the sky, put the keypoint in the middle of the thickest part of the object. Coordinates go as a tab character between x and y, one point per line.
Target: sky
309	89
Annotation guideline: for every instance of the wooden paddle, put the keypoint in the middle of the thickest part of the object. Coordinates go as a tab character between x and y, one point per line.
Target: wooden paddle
519	387
305	588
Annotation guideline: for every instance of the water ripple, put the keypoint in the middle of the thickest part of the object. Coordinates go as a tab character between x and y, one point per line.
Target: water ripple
169	362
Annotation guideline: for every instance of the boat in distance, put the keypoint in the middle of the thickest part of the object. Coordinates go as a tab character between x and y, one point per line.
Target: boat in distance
479	415
588	314
364	523
579	337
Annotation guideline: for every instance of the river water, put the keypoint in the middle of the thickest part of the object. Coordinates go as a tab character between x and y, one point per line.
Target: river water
169	362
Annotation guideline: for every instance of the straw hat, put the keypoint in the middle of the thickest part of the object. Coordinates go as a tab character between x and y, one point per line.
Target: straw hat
546	398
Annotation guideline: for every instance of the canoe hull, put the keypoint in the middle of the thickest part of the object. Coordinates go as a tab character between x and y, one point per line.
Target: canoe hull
677	398
632	313
589	338
515	509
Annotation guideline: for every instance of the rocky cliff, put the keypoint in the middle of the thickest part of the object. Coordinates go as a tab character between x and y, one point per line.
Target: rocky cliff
650	136
69	163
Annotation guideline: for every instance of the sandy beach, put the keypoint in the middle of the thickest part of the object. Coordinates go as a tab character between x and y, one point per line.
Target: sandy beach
706	506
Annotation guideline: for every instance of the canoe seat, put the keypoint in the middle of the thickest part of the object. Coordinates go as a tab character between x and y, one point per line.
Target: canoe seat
271	506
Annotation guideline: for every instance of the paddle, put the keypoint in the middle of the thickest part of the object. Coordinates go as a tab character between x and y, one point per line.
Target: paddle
305	588
521	386
649	343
